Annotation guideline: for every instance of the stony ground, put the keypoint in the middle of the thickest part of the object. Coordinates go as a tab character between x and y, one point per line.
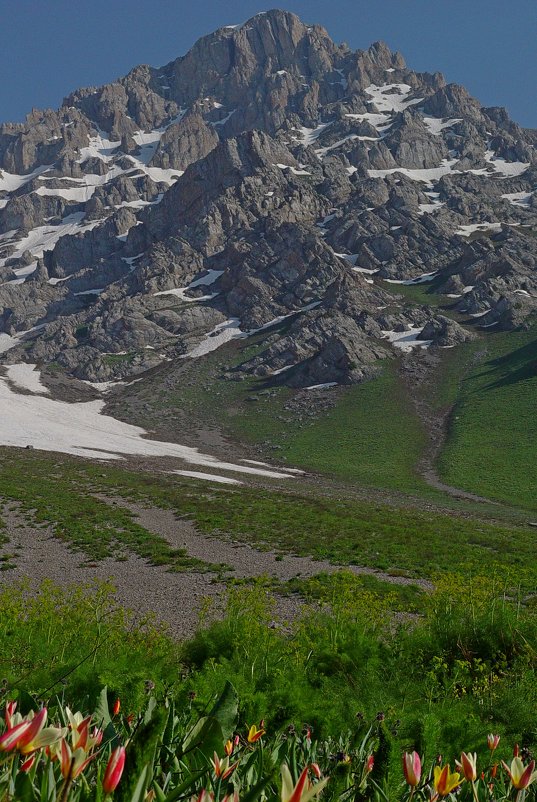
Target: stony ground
175	599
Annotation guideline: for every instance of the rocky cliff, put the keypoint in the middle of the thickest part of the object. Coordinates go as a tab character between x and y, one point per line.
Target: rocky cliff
268	175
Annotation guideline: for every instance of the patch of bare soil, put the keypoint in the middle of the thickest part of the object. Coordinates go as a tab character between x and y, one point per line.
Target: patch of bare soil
174	599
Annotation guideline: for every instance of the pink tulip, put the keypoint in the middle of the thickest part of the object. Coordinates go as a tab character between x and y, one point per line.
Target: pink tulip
412	768
114	770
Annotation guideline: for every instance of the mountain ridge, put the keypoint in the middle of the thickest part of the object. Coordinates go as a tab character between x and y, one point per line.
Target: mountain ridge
267	175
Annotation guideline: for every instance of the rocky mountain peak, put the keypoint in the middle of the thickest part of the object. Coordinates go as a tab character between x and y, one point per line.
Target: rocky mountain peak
269	180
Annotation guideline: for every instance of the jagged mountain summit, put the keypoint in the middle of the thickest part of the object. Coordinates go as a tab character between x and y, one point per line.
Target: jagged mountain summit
267	176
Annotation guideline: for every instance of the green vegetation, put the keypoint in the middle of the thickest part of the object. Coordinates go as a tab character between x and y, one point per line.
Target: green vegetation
53	494
69	494
466	666
493	428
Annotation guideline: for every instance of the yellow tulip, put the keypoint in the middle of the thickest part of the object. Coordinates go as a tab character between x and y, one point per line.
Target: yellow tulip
445	781
521	776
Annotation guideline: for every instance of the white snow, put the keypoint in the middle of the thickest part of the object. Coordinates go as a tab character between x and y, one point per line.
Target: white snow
204	281
294	170
430	208
437	124
44	238
99	147
9	182
467	230
77	194
391	97
210	477
27	377
223	333
379	121
508	169
224	119
480	314
418	280
419	174
406	340
321	152
310	135
519	198
321	386
81	429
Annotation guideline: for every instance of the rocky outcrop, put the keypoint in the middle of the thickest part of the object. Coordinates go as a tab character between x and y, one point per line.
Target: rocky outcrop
273	182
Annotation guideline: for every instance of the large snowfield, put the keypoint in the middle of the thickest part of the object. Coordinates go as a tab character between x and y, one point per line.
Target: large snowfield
34	419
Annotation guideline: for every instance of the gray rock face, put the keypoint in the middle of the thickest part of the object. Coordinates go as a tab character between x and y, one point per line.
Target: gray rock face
270	180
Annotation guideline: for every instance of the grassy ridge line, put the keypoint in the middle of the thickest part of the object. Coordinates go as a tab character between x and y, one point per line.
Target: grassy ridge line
419	542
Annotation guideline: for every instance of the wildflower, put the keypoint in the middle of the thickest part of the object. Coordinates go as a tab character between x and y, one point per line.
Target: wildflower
494	771
28	763
228	748
516	751
222	769
11	737
303	791
370	763
445	781
114	770
493	741
116	707
254	734
204	796
521	776
316	770
10	714
468	766
412	768
31	734
73	762
231	797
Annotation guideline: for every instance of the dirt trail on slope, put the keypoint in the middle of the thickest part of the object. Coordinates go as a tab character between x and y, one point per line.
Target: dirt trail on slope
416	373
173	599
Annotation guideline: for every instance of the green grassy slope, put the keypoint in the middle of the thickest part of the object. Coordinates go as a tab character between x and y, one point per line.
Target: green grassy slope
491	447
420	542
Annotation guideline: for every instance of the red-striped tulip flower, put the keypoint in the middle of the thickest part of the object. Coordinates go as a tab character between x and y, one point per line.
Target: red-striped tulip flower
114	770
445	781
116	707
73	762
412	768
303	791
254	734
31	734
521	776
10	715
468	766
222	769
493	741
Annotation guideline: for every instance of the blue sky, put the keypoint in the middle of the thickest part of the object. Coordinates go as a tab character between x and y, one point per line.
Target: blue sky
50	47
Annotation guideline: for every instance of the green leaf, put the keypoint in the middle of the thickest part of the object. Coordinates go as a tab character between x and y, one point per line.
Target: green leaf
186	785
102	711
226	710
24	789
255	792
141	754
205	737
151	705
141	786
